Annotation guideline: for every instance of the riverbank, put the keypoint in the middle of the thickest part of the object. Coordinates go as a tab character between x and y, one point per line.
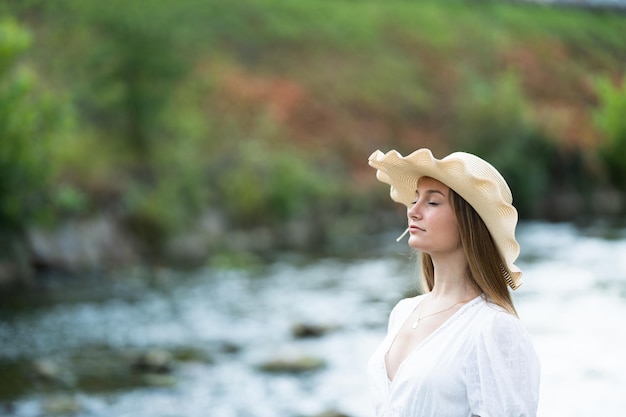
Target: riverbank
102	243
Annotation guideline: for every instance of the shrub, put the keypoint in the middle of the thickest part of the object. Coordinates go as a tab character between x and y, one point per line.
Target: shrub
494	122
610	118
264	184
30	122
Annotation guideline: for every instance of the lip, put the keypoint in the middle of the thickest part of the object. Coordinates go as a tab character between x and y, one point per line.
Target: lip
415	228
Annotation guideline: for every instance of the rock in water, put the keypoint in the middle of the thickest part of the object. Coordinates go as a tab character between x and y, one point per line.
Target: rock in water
293	366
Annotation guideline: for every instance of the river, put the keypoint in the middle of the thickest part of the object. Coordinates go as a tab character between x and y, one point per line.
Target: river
230	322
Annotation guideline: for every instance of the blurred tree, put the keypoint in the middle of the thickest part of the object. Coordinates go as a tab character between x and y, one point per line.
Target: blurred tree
30	121
264	184
611	119
135	56
494	122
126	63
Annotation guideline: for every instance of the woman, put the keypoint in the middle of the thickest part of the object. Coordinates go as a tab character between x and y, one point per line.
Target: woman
459	350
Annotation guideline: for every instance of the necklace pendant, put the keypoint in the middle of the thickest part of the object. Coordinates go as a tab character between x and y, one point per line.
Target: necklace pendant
414	325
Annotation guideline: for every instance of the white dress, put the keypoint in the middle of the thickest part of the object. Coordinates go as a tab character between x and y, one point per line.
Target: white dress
479	362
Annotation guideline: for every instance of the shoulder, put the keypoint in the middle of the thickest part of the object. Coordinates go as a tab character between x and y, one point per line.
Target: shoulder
492	316
498	321
407	304
501	330
403	308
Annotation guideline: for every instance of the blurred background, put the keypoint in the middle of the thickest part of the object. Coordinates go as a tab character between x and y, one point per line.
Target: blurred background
189	227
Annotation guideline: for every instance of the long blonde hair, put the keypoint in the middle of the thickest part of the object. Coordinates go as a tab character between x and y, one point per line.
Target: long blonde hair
485	266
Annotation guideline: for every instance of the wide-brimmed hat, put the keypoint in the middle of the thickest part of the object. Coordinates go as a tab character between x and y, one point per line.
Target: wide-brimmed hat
473	178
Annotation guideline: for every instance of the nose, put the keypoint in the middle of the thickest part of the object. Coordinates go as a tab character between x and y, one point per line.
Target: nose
414	212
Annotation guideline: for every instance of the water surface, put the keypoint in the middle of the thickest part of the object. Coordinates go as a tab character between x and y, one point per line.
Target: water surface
573	303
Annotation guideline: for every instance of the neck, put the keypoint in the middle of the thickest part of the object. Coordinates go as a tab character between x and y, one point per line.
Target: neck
451	279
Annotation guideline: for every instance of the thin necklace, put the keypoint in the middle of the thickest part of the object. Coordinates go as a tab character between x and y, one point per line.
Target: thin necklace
420	317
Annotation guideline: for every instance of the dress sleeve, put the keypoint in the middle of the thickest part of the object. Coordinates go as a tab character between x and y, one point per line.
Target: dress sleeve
503	371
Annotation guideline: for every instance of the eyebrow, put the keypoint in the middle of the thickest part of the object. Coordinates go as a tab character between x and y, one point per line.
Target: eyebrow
430	192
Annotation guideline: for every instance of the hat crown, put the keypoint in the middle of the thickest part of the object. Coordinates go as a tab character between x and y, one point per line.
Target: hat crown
482	169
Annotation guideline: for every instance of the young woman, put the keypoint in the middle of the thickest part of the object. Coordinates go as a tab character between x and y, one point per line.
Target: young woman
458	350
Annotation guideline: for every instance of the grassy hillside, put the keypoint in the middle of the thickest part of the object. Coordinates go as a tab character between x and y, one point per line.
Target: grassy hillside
266	111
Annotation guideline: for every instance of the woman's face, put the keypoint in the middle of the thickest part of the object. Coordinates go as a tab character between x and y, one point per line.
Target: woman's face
433	225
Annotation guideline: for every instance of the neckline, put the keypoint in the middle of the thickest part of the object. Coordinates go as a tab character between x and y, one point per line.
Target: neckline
442	327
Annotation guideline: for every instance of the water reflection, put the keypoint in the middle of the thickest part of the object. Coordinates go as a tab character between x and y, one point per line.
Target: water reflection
197	344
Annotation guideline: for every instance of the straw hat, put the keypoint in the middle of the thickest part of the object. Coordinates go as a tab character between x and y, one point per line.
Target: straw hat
473	178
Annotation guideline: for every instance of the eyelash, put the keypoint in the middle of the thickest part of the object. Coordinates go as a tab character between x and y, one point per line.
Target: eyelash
431	203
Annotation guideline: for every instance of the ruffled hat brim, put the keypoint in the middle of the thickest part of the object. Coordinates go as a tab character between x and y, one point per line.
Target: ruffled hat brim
474	179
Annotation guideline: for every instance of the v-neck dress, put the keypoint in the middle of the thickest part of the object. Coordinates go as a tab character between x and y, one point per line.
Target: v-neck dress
480	362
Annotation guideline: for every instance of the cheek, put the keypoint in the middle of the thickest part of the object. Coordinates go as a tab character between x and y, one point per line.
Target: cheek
451	231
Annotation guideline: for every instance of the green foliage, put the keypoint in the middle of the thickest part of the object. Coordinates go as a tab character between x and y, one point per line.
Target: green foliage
260	184
228	260
30	122
173	198
14	40
123	60
135	65
610	117
164	135
69	200
495	123
175	193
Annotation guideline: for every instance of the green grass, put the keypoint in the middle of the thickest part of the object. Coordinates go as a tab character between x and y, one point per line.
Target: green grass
370	74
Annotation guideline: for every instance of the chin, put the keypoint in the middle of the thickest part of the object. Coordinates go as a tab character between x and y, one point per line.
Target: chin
416	245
